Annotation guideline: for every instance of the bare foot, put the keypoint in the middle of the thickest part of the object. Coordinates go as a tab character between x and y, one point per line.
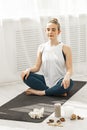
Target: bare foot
64	94
28	91
35	92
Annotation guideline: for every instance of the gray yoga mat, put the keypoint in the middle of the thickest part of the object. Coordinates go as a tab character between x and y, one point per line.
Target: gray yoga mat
19	107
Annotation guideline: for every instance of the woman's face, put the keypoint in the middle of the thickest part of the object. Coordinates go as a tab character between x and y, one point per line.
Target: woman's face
52	31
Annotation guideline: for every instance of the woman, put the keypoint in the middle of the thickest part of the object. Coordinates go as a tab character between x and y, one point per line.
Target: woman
55	58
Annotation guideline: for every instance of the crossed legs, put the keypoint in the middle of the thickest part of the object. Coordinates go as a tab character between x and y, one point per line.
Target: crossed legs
38	86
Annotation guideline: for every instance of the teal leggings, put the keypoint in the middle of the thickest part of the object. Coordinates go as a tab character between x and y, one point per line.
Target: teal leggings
37	82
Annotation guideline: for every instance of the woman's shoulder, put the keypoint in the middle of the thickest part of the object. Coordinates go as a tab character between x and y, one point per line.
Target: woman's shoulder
66	48
41	46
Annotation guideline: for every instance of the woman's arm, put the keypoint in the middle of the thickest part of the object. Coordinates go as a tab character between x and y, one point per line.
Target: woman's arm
68	53
35	68
38	63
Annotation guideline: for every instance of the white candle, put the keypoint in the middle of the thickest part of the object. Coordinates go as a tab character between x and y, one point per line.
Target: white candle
68	110
57	108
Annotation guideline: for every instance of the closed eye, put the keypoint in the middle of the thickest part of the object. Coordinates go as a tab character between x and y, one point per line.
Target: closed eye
53	29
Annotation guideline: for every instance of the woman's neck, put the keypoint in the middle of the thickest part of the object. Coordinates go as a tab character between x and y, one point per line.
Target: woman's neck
53	42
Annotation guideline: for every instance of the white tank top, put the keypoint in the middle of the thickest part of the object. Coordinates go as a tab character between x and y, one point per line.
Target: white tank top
53	63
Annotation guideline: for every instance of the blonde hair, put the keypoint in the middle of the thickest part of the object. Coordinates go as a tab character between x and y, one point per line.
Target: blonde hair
55	21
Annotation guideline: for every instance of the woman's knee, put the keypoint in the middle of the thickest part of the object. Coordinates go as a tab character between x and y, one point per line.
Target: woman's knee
27	80
71	85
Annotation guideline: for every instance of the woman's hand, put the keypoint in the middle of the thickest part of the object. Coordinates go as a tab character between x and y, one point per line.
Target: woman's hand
66	81
25	74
